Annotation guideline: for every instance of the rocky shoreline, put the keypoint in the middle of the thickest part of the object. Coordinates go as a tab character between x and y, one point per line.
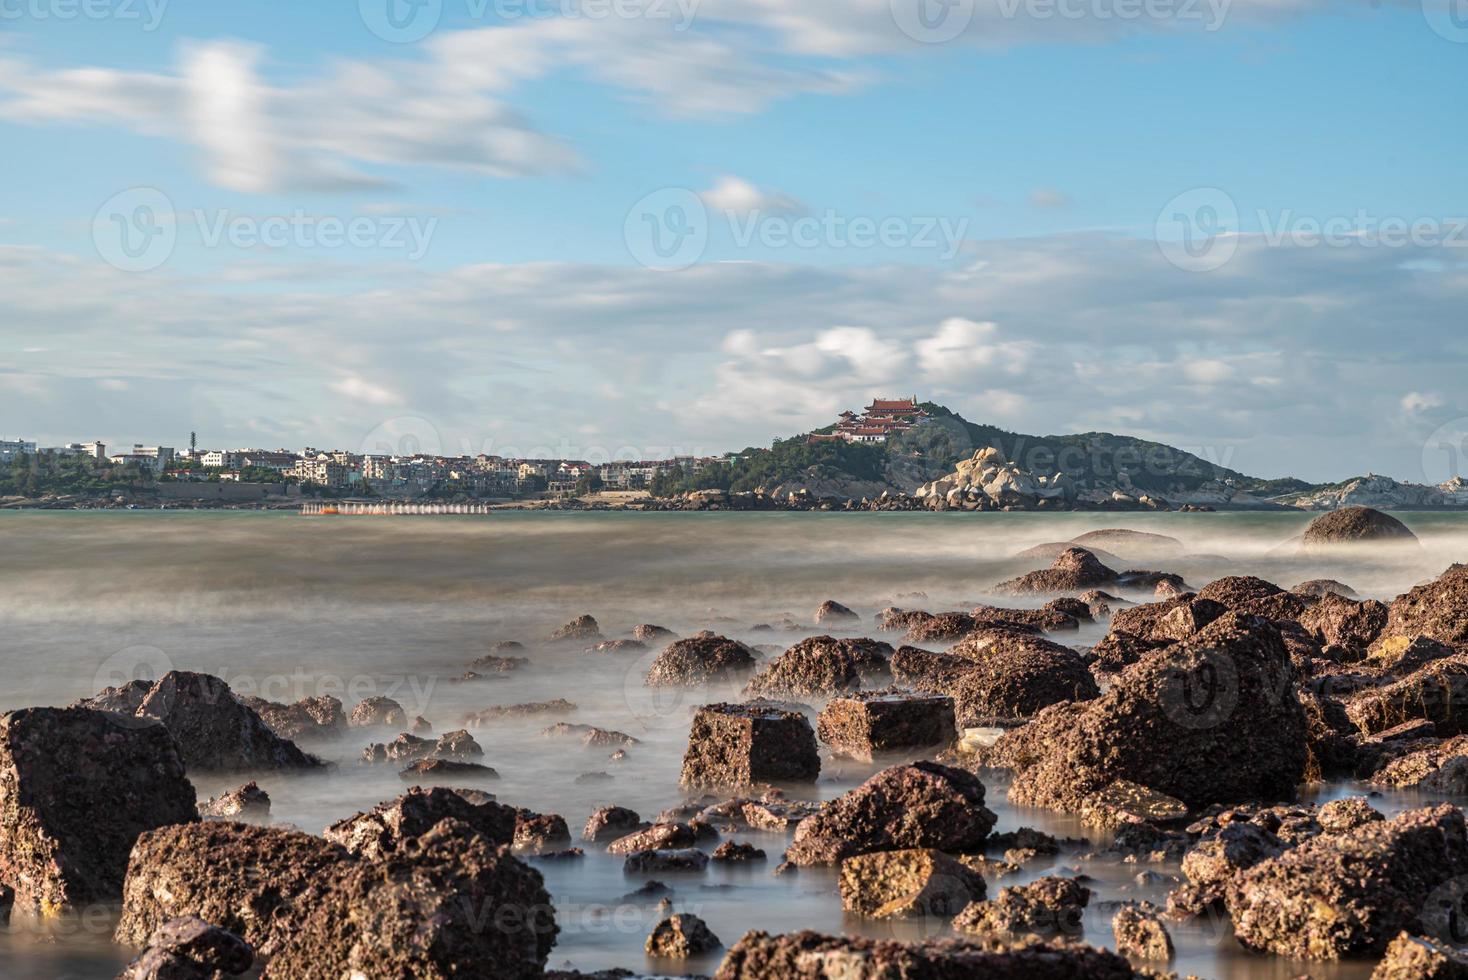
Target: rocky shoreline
1183	736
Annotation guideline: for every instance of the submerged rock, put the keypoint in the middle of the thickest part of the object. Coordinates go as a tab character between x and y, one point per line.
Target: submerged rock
450	904
257	882
699	660
921	805
1045	908
812	956
309	718
188	948
821	666
680	936
1074	570
913	882
1355	525
77	788
389	826
248	803
1140	933
610	823
867	724
1350	894
741	744
832	611
514	712
582	629
378	711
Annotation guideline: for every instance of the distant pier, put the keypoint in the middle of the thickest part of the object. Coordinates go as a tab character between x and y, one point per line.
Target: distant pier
386	508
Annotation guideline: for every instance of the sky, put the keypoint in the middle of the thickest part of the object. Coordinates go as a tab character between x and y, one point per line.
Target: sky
632	228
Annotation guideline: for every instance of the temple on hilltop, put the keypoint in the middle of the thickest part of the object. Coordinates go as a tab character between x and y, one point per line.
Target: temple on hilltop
882	418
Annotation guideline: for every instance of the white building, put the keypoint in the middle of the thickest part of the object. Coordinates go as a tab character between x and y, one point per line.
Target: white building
219	459
10	449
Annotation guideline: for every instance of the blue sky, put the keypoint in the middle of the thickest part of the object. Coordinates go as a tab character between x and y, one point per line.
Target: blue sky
996	220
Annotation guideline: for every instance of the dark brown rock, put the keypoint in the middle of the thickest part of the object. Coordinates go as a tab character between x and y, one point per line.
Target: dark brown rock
248	803
388	826
1350	894
188	948
812	956
832	611
1321	587
446	769
1355	525
1015	683
257	882
658	837
77	787
1441	767
1213	719
1046	908
700	659
453	904
1344	623
1340	816
1232	591
731	852
1437	610
648	633
868	724
309	718
610	823
582	629
618	646
1140	933
940	627
821	666
215	730
540	832
378	712
1074	570
1412	957
741	744
1438	692
665	862
680	936
514	712
921	805
913	882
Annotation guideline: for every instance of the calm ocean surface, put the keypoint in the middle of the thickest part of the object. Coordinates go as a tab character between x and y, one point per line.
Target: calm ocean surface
287	607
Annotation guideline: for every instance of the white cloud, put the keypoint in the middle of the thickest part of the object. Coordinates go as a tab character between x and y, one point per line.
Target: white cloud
1414	402
359	389
1049	197
737	196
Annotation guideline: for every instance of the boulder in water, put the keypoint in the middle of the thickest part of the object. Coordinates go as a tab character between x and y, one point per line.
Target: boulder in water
1355	525
742	744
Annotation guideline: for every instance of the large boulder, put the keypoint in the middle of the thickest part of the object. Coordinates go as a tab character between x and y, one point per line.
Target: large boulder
1213	719
813	956
700	659
1345	624
742	744
389	826
257	882
216	731
1074	570
899	884
1045	908
1350	894
77	787
870	723
1355	525
1412	957
1437	610
1017	682
451	904
922	805
681	936
821	666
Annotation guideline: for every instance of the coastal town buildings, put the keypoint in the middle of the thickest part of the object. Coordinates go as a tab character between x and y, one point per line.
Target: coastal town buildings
11	448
